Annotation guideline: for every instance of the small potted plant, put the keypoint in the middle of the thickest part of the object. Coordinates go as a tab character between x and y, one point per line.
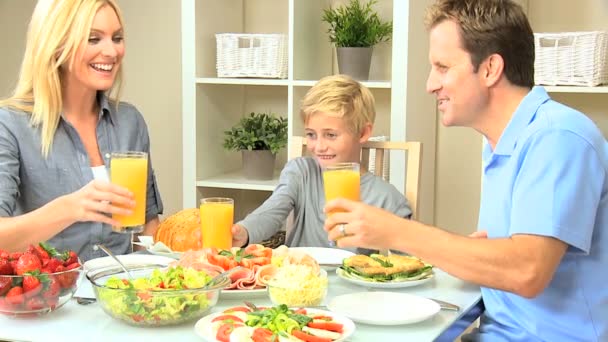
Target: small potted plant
354	29
259	137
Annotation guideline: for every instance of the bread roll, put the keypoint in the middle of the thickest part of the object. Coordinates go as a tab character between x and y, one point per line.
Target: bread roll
181	231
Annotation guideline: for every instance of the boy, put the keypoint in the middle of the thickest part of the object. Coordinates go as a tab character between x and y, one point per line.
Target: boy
338	114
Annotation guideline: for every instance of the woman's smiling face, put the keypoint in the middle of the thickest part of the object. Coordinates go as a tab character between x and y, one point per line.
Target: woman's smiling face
98	60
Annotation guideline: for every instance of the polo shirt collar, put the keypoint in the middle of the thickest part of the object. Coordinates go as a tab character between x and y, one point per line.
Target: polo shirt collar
525	113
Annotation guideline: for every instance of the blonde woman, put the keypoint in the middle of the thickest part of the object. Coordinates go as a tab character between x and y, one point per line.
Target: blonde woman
338	114
58	129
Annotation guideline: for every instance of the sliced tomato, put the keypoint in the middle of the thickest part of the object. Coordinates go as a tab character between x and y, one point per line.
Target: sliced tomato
301	311
247	263
260	261
237	308
308	337
230	318
331	326
224	331
262	335
258	250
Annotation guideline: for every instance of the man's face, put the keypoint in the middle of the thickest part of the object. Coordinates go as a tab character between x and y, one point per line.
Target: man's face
459	91
330	141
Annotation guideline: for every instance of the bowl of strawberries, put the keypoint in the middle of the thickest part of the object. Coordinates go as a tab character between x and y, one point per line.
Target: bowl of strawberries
37	281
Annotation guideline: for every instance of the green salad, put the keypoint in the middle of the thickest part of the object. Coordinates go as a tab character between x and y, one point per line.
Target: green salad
153	300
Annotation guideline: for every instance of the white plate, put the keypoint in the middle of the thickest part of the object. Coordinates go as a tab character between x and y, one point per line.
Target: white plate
242	294
325	255
127	259
383	285
384	308
172	255
203	328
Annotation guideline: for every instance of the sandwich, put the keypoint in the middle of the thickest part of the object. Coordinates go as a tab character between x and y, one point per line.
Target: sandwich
383	268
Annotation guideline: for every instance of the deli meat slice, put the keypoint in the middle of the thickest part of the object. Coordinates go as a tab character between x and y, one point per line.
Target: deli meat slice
198	261
265	273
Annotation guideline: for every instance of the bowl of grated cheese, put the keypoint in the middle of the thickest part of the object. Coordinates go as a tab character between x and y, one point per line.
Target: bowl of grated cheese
298	285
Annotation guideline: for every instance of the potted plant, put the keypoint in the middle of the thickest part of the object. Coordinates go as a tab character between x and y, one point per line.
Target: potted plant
259	137
354	29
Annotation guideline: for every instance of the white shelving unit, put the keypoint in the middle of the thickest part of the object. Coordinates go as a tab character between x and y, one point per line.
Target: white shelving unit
212	105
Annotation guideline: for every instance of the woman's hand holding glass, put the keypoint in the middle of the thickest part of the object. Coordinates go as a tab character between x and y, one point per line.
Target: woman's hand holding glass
98	200
240	236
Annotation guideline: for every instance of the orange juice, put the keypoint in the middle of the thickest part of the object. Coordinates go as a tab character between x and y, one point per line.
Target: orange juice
130	170
342	181
217	215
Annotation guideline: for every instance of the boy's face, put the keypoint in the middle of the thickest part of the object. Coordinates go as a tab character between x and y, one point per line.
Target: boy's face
330	141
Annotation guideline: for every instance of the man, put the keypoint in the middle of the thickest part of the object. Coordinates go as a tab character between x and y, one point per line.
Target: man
544	202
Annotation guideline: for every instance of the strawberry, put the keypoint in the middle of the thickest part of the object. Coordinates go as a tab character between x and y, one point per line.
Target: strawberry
52	264
31	286
35	303
27	262
5	285
14	296
4	254
51	293
41	253
68	279
72	257
15	256
4	306
5	267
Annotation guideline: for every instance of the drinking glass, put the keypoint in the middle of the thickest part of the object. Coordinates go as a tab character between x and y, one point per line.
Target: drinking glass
342	180
217	215
130	170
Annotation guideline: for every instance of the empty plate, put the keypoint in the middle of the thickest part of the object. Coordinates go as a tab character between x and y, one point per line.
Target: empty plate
384	308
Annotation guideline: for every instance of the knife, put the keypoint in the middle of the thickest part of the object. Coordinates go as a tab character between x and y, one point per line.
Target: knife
445	305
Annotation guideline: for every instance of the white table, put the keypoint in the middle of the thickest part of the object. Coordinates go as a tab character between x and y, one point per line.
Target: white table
80	323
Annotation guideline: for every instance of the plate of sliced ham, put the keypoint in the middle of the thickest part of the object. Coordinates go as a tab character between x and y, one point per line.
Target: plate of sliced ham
249	280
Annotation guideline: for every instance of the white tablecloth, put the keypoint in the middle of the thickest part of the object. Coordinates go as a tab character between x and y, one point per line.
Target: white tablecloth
80	323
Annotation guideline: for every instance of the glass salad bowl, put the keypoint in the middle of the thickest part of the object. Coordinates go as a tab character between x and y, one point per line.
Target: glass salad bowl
157	295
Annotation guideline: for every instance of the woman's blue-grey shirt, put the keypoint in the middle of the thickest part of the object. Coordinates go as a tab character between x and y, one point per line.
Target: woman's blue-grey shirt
28	180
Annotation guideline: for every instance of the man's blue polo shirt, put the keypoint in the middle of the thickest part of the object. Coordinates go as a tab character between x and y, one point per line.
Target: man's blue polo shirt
548	176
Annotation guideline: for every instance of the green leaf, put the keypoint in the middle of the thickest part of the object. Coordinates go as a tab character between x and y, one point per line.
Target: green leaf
258	131
356	25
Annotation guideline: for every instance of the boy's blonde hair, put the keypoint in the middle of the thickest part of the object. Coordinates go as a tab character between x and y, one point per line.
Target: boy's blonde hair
56	30
342	97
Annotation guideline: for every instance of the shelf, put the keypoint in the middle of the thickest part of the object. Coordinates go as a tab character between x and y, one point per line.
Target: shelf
577	89
369	84
243	81
236	180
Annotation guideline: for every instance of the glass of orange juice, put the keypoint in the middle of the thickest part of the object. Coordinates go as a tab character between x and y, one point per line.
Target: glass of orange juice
342	180
217	214
130	170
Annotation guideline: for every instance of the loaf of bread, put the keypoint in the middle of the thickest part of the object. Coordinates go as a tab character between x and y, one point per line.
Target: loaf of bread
181	231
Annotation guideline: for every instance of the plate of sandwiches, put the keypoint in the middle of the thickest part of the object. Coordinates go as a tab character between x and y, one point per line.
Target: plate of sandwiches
382	271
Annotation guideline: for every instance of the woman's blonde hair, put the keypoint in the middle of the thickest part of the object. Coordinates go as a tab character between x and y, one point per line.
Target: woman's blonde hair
342	97
56	30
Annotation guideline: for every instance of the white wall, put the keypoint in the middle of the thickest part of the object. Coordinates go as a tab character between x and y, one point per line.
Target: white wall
152	76
14	17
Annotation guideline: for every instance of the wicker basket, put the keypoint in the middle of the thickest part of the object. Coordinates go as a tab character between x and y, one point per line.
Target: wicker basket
571	58
251	55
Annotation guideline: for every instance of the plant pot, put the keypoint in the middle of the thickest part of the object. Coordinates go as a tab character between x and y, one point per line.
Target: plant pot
258	164
354	61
